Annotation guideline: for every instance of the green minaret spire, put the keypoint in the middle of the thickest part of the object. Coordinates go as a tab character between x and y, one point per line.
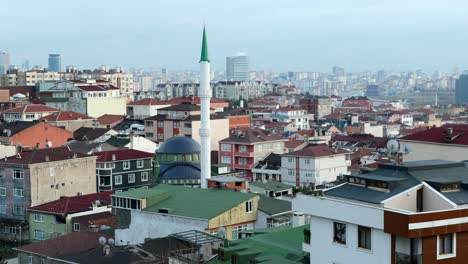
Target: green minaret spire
204	48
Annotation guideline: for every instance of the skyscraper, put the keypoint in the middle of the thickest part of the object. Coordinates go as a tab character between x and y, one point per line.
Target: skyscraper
205	96
55	63
4	62
461	89
237	68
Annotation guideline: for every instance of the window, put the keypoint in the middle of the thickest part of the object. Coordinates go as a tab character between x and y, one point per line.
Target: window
76	227
450	187
364	237
290	159
2	191
30	260
260	148
160	124
307	161
248	207
2	209
18	174
39	235
278	146
339	233
225	147
18	192
446	246
226	159
10	230
242	161
126	165
176	125
30	116
160	136
38	218
242	148
149	123
149	135
144	176
140	163
18	210
291	172
270	146
131	178
118	179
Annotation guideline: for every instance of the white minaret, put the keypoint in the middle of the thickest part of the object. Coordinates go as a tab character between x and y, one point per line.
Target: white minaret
205	95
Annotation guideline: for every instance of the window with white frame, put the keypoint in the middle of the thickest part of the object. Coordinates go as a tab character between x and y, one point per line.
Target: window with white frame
144	176
242	161
18	210
76	227
225	147
160	136
242	148
18	174
30	260
278	145
140	163
306	161
30	116
39	218
236	230
339	233
2	191
446	246
160	124
131	178
18	192
39	235
118	179
10	230
126	165
270	146
2	209
226	159
248	207
290	159
260	148
291	172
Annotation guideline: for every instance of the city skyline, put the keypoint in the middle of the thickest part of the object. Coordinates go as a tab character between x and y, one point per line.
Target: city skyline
357	35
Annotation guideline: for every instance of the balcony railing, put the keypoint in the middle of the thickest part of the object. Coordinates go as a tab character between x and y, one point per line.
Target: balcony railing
244	154
401	258
243	166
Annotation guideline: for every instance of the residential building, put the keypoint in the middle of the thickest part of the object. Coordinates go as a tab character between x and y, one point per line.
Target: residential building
268	168
237	68
32	77
236	90
274	189
272	245
365	128
145	108
69	120
358	101
244	148
273	212
55	63
299	117
56	218
414	213
92	134
86	98
314	165
115	77
166	209
39	176
130	142
28	113
30	135
447	142
184	119
318	106
110	121
178	162
121	170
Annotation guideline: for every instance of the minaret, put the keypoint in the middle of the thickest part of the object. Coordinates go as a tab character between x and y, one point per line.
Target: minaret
204	92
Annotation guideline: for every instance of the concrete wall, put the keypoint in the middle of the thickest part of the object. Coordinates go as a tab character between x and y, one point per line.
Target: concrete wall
219	131
98	106
261	220
406	201
152	225
73	125
427	151
68	177
433	200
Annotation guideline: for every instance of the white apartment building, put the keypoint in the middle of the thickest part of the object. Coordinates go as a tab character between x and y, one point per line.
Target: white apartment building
299	117
317	165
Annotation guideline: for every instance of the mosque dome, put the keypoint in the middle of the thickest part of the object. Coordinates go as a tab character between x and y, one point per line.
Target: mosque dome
179	145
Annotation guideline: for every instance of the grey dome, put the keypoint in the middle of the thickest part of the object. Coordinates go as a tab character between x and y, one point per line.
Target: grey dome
179	145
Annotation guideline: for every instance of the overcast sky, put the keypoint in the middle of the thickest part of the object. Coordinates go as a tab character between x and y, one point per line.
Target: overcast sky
302	35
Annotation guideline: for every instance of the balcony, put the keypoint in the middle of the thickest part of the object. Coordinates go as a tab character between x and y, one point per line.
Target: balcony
244	154
243	166
105	187
401	258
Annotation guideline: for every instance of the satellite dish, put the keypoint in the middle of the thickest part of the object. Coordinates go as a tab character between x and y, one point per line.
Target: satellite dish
111	241
222	232
407	148
97	202
48	144
102	240
393	146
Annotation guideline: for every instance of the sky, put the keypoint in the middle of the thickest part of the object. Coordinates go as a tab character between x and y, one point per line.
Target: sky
286	35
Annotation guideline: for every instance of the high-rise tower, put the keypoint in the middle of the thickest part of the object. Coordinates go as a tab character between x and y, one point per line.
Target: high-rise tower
205	95
55	63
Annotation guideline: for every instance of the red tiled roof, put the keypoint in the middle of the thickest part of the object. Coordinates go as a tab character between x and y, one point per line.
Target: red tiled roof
122	154
65	116
316	151
459	135
110	119
293	143
43	155
309	132
276	124
149	101
336	115
33	108
73	204
288	109
250	136
99	219
68	244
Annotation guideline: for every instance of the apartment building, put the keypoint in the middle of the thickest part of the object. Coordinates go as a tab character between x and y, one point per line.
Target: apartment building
298	117
413	212
316	164
244	148
28	113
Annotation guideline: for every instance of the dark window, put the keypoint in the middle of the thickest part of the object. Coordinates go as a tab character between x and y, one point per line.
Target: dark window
446	244
364	237
238	183
234	259
450	187
339	233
